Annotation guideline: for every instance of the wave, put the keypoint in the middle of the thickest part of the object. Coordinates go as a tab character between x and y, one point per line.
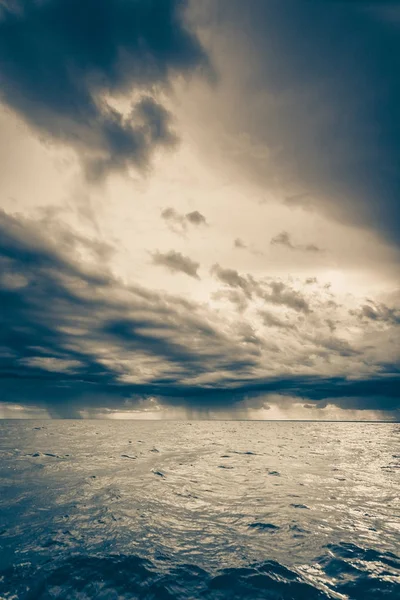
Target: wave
361	574
345	572
264	526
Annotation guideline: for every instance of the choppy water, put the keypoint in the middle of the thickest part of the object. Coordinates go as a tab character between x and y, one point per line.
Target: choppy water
125	510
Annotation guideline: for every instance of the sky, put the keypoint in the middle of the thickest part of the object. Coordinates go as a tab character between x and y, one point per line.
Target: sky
199	209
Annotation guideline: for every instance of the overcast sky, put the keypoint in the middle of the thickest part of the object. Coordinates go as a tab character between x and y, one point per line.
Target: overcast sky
200	209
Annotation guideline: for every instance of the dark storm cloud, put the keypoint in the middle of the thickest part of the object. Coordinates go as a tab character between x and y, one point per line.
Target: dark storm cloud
73	337
316	84
363	394
60	59
67	330
284	239
176	262
65	399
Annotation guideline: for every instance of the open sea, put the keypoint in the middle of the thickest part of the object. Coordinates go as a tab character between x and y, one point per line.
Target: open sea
118	510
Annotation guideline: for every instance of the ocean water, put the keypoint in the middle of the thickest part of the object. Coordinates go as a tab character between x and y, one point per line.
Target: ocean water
118	510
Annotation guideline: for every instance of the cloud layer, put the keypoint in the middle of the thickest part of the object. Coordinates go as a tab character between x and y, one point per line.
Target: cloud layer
73	336
282	280
312	112
63	61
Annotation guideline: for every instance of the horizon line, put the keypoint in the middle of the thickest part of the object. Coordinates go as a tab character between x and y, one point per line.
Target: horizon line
373	421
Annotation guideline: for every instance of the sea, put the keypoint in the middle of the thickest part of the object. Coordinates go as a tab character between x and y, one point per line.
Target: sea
118	510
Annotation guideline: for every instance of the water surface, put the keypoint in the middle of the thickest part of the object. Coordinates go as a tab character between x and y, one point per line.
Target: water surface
134	509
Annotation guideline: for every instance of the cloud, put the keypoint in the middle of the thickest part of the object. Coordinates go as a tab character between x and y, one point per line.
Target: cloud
176	262
282	294
174	219
196	218
331	325
333	345
283	239
74	337
378	312
316	115
52	364
64	62
96	336
179	222
232	278
271	320
304	201
274	292
236	297
238	243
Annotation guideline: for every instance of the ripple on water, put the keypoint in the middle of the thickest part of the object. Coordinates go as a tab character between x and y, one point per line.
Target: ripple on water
85	519
126	577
